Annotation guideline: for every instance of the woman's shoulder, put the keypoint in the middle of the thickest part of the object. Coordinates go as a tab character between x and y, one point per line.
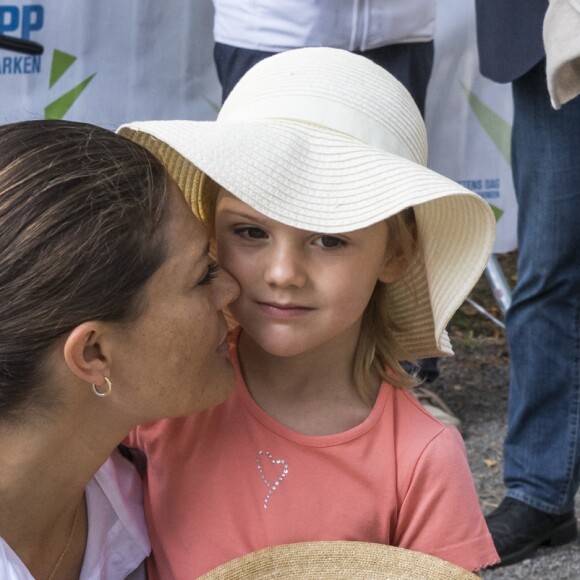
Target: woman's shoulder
114	496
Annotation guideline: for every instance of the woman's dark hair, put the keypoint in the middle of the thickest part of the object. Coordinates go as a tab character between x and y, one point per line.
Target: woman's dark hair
81	216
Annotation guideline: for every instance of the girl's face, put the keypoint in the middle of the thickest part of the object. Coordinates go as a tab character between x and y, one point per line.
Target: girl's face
300	290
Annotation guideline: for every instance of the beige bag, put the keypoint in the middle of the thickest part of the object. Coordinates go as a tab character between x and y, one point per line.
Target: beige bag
562	43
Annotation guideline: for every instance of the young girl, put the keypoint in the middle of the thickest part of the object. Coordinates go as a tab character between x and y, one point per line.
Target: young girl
351	257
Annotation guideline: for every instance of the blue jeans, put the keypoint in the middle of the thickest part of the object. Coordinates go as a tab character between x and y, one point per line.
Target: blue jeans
410	63
542	448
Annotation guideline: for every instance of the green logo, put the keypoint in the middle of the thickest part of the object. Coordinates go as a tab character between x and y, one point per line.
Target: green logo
61	62
497	129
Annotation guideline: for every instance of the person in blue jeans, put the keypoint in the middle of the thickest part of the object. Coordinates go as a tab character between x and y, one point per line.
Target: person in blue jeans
397	36
542	447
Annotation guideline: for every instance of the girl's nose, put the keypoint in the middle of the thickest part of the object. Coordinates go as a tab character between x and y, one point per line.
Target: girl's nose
285	268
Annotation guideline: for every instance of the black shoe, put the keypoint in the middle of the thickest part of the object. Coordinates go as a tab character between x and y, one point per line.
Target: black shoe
518	529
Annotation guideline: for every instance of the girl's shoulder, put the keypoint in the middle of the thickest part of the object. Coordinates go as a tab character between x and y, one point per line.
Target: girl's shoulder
415	430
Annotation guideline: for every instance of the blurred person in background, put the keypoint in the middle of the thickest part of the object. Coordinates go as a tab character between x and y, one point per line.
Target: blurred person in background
542	447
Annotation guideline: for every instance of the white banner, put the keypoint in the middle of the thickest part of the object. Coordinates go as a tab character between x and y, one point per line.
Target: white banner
109	61
469	119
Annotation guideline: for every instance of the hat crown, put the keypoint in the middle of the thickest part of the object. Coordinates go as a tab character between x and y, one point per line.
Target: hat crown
334	89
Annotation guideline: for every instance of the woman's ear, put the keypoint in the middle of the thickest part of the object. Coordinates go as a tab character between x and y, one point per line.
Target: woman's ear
86	352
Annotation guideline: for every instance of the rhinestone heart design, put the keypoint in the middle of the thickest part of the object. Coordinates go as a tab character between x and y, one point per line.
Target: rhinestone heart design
272	486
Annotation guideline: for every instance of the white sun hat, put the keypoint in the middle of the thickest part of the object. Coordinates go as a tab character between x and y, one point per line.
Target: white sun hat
333	560
324	140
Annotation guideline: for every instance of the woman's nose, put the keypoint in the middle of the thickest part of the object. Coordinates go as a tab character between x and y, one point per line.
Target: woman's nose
226	289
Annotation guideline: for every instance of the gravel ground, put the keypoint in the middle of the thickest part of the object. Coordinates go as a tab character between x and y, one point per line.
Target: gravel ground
474	384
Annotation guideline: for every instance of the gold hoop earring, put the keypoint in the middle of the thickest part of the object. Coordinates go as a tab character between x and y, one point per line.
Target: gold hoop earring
106	392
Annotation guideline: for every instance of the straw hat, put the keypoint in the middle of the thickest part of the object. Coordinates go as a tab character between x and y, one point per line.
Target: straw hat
327	141
335	560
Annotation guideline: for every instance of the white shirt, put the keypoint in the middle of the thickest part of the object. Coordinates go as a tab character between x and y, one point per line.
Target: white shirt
117	542
278	25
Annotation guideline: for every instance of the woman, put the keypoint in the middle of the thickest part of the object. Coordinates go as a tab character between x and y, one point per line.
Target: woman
109	317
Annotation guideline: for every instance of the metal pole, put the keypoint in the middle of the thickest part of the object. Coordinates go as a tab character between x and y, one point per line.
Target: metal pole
499	286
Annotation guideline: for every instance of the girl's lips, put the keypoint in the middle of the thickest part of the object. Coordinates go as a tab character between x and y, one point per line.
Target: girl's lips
283	311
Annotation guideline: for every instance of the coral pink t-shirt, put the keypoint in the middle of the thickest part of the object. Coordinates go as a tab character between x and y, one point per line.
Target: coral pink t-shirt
231	480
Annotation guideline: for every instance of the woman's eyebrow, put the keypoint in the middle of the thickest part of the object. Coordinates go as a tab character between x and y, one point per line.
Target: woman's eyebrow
201	254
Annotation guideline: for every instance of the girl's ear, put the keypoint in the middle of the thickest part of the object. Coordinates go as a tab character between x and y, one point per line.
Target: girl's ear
402	246
393	267
86	352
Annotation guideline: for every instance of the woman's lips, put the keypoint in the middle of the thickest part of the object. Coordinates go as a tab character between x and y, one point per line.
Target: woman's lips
223	347
283	311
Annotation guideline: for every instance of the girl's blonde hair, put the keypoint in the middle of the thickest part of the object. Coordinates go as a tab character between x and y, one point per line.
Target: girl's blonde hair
377	352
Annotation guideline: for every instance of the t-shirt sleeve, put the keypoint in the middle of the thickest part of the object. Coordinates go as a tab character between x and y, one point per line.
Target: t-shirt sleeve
440	513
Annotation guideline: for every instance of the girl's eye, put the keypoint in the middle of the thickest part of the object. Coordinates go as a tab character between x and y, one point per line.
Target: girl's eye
327	241
209	275
250	232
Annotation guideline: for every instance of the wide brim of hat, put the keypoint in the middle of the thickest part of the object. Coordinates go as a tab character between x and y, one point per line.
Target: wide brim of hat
316	179
338	559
